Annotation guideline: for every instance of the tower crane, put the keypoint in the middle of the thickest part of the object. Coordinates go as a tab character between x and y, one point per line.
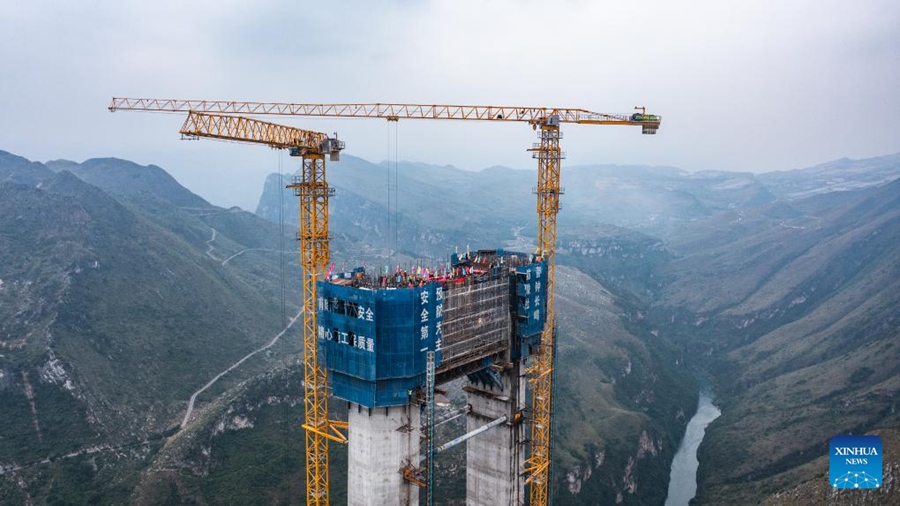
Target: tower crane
313	188
314	192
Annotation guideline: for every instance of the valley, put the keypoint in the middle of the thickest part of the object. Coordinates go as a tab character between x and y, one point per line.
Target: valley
124	294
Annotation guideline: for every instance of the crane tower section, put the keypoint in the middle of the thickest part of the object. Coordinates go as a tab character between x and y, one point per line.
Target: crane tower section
314	193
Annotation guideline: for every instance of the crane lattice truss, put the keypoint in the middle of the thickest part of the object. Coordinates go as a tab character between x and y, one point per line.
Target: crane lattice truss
312	188
548	191
314	192
533	115
237	128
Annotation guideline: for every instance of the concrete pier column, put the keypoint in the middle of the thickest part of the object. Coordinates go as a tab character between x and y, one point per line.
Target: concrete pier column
382	441
496	459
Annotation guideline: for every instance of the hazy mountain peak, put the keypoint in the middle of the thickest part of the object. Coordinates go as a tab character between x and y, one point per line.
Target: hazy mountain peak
16	169
60	164
129	179
7	158
502	169
844	174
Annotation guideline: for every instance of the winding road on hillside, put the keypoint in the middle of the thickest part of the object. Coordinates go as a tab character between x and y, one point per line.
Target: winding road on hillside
193	399
209	243
210	248
11	468
239	253
190	408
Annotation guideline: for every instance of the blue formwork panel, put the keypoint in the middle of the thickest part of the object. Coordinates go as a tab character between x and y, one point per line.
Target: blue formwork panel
531	298
530	308
373	342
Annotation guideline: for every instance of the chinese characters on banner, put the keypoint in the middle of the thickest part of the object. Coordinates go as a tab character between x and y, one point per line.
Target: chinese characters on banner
532	281
430	314
353	322
358	329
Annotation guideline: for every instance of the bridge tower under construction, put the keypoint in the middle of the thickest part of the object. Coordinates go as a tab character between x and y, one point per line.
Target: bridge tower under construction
479	316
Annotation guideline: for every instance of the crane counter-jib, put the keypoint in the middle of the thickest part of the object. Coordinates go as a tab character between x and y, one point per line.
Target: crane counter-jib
230	127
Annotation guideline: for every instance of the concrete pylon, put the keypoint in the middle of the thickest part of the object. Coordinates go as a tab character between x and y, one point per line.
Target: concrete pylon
496	459
382	441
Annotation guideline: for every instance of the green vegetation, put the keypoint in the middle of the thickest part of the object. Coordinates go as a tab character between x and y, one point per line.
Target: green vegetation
246	448
111	314
616	393
815	489
798	321
115	306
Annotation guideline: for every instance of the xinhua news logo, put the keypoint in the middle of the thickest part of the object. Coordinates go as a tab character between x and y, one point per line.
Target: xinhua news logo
855	462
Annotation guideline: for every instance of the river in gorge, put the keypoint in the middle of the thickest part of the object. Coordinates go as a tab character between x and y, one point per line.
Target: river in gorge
683	478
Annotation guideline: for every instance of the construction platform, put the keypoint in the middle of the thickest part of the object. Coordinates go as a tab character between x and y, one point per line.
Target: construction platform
375	329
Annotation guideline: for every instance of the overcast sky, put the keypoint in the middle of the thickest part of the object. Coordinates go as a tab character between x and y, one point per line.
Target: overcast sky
750	86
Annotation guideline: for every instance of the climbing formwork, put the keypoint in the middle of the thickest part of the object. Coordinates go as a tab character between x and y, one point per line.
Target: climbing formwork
481	315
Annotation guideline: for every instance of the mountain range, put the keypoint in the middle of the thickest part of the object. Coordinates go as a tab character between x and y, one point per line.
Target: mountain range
780	288
122	294
115	302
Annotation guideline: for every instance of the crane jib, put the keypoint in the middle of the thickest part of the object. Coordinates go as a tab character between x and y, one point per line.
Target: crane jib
534	115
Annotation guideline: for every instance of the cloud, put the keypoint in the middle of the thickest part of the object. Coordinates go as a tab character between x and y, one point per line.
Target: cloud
741	86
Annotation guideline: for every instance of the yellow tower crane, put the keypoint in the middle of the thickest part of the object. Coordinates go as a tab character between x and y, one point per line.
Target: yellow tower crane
545	119
312	188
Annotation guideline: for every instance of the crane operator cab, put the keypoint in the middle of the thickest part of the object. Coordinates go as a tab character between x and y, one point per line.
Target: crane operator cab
649	122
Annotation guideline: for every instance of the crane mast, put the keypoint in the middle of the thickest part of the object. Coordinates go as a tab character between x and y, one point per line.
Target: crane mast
313	191
548	191
312	188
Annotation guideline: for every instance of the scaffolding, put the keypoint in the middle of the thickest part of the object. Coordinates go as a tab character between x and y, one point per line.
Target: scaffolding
476	319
